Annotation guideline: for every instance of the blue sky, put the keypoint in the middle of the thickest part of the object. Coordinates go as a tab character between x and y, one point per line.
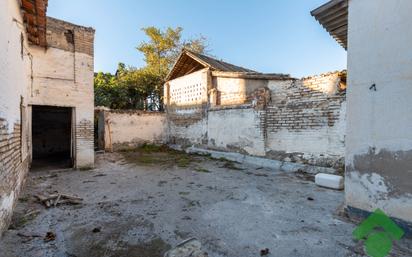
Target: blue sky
274	36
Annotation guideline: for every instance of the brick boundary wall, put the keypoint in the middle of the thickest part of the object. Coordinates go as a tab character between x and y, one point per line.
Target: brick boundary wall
13	170
310	108
299	120
303	109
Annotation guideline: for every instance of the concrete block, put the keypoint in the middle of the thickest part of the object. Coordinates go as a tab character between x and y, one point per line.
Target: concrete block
329	181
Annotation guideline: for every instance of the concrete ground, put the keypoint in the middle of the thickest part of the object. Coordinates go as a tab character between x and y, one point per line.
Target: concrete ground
140	204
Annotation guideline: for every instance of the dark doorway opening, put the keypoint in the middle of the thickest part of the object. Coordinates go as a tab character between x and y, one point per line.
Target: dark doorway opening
51	137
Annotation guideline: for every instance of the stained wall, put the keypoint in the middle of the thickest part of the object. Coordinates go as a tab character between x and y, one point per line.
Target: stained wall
379	135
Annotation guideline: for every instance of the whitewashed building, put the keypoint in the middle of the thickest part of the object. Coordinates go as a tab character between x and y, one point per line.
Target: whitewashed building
46	95
377	35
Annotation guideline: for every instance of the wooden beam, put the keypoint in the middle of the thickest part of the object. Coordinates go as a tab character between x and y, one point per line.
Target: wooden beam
327	6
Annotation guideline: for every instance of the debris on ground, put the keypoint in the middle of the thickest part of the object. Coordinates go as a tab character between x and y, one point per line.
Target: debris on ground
200	169
188	248
89	181
58	199
261	175
140	214
50	236
96	230
304	175
230	165
264	252
20	220
27	238
53	175
100	175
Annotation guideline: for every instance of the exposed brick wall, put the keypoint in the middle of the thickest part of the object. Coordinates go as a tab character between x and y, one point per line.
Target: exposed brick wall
12	170
304	118
70	37
85	131
305	104
84	141
297	120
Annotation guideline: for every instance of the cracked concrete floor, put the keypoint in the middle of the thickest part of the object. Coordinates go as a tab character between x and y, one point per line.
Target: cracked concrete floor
141	205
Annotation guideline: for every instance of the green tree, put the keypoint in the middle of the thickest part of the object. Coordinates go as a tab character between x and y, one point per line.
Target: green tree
132	88
161	52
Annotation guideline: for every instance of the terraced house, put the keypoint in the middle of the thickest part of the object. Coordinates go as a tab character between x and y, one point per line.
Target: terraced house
46	99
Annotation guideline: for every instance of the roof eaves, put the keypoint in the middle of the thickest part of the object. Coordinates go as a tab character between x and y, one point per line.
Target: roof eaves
178	60
251	75
333	16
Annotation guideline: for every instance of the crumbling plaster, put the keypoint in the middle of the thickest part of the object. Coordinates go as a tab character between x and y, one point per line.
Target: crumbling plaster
63	76
287	119
236	130
379	138
187	118
31	75
124	129
14	63
14	78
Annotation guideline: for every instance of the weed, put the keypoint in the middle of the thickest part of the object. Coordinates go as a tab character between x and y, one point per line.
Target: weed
183	162
231	165
149	154
193	203
20	220
24	199
199	169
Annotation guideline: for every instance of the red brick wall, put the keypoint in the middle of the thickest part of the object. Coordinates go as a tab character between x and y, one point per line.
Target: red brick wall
12	170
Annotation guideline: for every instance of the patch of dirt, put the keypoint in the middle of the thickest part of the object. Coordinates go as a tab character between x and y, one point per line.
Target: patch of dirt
20	219
305	176
200	169
230	165
127	237
159	155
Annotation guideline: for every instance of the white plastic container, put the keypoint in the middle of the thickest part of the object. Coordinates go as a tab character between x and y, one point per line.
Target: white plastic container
329	181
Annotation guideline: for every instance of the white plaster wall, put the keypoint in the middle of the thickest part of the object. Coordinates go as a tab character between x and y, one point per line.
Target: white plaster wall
187	120
190	89
236	130
131	128
379	52
195	132
235	91
382	118
14	81
14	77
63	78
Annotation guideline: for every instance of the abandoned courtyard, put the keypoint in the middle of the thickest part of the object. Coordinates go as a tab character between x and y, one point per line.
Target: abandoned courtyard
205	128
144	202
